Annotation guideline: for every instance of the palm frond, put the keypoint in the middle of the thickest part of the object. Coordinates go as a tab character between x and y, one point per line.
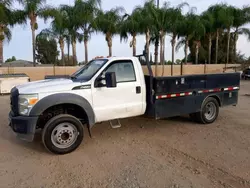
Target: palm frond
180	44
47	12
245	31
182	5
7	33
193	10
48	33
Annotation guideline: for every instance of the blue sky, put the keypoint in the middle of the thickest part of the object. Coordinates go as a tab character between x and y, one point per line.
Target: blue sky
21	45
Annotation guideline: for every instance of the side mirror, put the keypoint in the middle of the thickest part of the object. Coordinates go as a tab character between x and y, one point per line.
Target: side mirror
110	79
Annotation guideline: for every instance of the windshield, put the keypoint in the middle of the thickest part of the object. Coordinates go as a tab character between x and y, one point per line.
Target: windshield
89	70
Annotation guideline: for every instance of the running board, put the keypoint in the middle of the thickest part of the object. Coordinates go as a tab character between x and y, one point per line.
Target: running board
115	123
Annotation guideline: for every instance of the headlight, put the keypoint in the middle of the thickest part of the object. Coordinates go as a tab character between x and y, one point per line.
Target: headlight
26	102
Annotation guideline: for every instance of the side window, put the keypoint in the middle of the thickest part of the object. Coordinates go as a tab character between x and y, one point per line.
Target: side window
124	71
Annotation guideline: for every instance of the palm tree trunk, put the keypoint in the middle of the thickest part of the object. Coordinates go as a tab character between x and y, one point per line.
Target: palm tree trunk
209	48
34	45
163	53
196	52
74	52
147	43
161	37
86	51
147	49
62	52
134	44
1	52
162	43
186	50
217	46
161	49
235	45
61	43
173	42
68	48
156	51
109	42
228	45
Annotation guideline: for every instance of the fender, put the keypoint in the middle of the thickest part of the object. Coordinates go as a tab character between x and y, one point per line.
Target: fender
63	98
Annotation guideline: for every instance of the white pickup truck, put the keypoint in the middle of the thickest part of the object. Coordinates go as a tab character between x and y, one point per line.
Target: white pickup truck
110	89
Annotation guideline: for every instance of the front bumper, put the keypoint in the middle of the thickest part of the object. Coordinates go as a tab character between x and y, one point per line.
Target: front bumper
24	127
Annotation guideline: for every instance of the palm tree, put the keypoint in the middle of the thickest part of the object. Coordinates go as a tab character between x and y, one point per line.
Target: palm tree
57	31
226	15
107	22
130	25
241	17
218	24
8	18
198	33
176	19
186	33
209	23
71	23
147	25
86	12
160	17
32	10
146	22
5	33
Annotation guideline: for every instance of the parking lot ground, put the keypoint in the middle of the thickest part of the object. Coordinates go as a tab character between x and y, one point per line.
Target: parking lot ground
171	153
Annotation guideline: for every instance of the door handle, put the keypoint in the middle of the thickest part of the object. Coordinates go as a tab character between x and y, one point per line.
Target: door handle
138	89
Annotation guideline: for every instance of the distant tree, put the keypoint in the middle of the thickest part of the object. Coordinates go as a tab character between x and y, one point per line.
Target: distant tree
175	25
168	62
85	13
107	22
68	61
58	30
46	50
31	10
130	25
11	59
71	22
241	18
208	20
178	61
8	18
227	16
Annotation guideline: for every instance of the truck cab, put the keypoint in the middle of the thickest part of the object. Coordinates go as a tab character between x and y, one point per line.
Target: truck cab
112	88
104	89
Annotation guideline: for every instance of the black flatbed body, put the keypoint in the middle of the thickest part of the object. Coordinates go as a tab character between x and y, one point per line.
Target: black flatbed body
180	95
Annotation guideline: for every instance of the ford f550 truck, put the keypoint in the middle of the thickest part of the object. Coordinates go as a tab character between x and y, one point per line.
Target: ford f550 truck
108	89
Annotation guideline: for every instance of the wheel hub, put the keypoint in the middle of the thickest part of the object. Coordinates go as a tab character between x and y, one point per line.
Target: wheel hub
210	111
64	135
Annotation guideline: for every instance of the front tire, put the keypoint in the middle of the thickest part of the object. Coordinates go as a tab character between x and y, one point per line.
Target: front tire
62	134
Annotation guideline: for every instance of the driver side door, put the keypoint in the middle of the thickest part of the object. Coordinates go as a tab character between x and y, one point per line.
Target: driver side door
121	101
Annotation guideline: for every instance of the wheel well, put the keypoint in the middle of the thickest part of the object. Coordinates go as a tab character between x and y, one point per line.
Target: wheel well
217	99
71	109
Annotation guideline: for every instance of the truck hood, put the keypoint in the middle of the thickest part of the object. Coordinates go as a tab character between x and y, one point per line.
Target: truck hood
50	85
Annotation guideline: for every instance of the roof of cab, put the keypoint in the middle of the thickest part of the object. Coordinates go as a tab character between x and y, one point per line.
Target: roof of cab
113	57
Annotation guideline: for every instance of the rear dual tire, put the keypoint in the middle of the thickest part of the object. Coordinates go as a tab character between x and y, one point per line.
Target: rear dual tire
209	112
62	134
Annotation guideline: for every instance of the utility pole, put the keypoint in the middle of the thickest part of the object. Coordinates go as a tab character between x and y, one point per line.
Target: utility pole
158	3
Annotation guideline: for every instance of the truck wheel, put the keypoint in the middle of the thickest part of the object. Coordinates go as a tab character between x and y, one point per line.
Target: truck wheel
209	111
62	134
